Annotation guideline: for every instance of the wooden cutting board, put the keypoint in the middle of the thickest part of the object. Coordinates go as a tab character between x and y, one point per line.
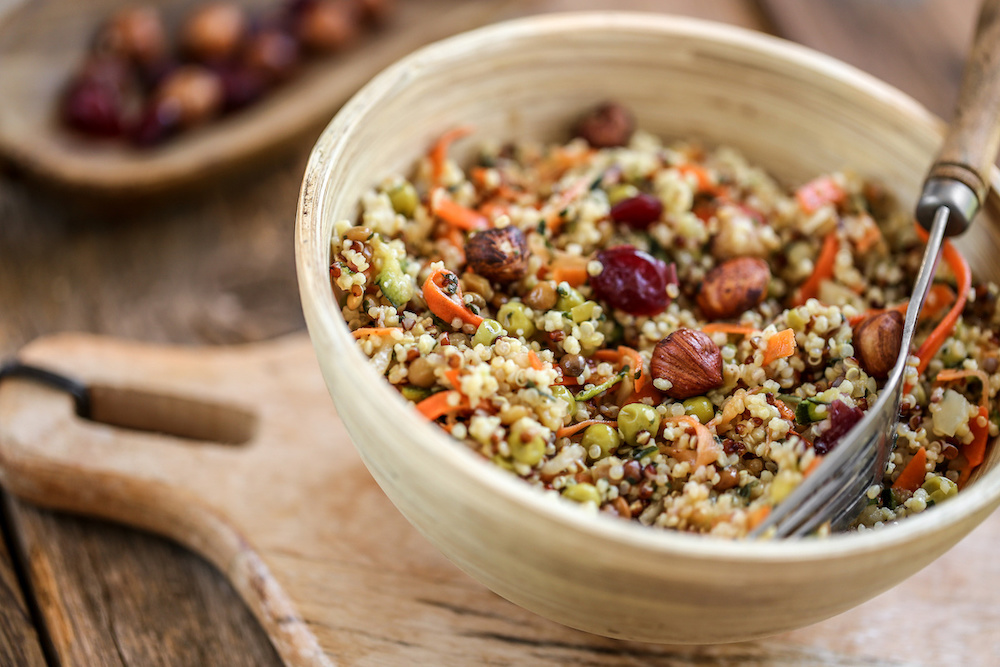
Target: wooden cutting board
267	486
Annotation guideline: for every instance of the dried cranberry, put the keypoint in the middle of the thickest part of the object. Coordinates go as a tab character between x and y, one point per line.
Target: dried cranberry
159	121
93	108
842	418
241	86
633	280
638	212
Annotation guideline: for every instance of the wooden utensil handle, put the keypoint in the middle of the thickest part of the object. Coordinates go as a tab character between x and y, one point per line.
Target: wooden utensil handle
973	138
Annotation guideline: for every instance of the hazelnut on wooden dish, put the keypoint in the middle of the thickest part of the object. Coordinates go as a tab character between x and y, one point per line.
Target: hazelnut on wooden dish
876	342
500	255
215	32
609	125
733	287
196	91
690	361
328	25
134	33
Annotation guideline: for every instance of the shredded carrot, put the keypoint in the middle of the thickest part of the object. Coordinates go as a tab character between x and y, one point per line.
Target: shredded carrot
535	362
822	271
572	429
913	474
811	468
784	411
818	193
757	516
444	306
439	152
708	448
951	374
457	215
639	378
573	275
648	391
963	276
559	201
439	404
871	237
939	296
975	451
725	327
452	376
703	179
374	331
779	346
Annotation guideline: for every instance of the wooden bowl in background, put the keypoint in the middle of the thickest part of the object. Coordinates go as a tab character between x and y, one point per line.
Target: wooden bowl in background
793	111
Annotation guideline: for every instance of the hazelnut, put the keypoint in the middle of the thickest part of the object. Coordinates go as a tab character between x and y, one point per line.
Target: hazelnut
376	12
734	286
214	32
690	361
876	342
609	125
498	254
196	92
136	34
328	25
273	53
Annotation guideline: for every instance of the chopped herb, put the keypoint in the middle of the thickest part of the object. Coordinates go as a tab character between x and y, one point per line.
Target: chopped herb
588	394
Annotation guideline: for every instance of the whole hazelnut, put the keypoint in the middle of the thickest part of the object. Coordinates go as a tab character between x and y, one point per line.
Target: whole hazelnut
376	12
273	53
876	342
609	125
196	91
734	286
214	32
690	361
135	34
500	255
328	25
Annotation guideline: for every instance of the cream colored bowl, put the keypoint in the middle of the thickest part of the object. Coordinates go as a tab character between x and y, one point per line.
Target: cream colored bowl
797	113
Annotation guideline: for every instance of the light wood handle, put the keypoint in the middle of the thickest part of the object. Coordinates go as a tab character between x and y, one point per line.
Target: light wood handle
973	138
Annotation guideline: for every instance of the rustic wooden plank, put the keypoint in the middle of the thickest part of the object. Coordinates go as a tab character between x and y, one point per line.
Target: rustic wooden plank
113	596
19	642
918	46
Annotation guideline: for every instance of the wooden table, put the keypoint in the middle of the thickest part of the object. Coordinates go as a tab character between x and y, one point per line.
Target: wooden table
217	267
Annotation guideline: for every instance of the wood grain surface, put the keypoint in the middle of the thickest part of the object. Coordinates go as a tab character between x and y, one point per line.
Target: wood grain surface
217	268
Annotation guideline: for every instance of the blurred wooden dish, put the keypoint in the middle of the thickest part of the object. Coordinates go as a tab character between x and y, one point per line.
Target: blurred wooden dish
792	111
43	41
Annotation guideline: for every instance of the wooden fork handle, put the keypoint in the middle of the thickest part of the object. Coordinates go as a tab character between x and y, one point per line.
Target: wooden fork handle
973	139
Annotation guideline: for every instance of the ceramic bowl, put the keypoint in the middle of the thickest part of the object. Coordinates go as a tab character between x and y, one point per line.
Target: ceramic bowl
793	111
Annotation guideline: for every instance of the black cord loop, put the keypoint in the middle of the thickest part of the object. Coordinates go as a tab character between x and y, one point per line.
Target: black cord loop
75	388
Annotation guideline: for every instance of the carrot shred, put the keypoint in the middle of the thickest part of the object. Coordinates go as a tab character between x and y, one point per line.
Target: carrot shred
963	276
457	215
975	451
708	449
439	404
447	307
939	296
779	346
822	271
784	411
811	468
818	193
572	429
452	376
573	275
554	221
647	391
374	331
702	177
439	151
639	378
535	362
725	327
757	516
952	374
871	237
913	474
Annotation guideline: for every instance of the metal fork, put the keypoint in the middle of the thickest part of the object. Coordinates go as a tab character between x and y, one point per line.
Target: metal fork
955	189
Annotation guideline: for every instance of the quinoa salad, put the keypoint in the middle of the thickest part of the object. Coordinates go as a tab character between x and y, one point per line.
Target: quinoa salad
662	332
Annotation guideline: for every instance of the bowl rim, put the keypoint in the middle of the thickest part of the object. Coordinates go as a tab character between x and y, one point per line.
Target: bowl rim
327	327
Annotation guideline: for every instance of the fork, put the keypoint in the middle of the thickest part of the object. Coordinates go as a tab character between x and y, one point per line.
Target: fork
955	189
